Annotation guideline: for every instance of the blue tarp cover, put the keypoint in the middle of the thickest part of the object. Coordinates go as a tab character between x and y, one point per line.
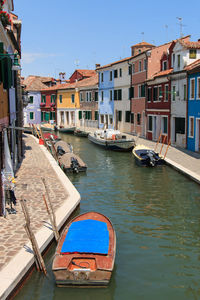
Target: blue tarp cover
87	236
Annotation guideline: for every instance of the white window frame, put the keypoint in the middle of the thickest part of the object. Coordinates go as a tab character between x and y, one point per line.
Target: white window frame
140	66
192	79
198	88
164	61
133	68
148	123
144	64
159	98
139	90
173	93
81	97
162	124
191	118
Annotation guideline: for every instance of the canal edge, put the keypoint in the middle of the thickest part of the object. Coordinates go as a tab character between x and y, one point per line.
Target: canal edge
18	268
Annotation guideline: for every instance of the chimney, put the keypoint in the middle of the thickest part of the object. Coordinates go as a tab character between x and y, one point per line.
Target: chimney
62	77
199	40
97	66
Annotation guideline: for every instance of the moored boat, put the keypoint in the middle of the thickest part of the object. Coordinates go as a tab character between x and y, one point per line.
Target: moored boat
81	133
47	127
85	253
145	156
66	129
112	140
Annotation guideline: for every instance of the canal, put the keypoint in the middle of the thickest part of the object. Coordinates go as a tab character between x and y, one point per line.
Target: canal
156	216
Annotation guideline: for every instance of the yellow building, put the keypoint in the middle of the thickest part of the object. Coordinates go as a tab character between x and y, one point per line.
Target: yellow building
67	105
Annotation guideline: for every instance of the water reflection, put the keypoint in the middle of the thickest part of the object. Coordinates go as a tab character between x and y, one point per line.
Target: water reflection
155	212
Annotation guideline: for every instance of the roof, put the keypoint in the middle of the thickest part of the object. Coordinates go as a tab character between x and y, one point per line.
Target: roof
193	65
114	63
85	73
34	83
81	83
190	45
163	73
143	44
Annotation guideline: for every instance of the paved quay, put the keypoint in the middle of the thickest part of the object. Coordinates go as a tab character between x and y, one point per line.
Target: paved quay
15	256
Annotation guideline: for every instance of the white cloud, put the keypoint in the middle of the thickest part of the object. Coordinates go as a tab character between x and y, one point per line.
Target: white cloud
28	58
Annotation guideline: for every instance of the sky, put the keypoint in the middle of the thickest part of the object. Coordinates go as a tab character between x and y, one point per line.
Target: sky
62	36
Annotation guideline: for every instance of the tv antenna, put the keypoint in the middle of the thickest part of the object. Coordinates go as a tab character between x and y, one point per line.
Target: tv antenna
181	26
142	33
76	63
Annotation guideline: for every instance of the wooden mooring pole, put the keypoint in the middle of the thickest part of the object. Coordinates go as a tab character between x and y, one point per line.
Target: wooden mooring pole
163	144
38	257
50	212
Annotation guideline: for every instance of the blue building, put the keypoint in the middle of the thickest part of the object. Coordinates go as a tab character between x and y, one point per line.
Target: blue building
193	106
106	97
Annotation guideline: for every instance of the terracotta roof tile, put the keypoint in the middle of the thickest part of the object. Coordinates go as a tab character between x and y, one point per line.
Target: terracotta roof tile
114	63
87	73
93	80
193	65
142	44
190	45
163	73
34	83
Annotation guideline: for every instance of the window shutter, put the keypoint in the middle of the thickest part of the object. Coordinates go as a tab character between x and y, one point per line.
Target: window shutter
80	114
115	94
119	94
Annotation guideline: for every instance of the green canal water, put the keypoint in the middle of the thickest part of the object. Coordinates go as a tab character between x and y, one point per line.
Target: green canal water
156	216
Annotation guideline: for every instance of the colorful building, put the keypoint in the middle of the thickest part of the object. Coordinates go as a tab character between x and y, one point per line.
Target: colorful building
48	104
138	71
193	106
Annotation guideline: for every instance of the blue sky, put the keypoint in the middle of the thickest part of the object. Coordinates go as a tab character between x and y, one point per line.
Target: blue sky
60	36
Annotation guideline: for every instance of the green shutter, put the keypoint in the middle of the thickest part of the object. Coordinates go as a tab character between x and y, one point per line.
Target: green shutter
42	116
96	115
80	114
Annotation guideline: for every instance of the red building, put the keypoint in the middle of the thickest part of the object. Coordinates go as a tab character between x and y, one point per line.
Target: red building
48	104
138	72
158	94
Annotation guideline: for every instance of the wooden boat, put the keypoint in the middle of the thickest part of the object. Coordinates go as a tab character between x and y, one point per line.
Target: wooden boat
147	157
69	161
66	129
112	140
50	136
47	127
81	133
85	253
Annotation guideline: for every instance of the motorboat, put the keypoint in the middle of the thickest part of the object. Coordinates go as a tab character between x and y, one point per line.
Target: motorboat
145	156
112	140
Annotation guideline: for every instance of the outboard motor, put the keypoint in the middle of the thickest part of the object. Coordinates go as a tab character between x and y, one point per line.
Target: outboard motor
60	150
152	160
74	165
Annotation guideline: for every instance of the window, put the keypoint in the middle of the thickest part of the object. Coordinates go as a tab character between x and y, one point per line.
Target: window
192	86
31	99
31	115
127	116
191	127
155	93
173	60
120	72
132	118
43	99
193	53
119	115
53	99
173	93
111	75
164	125
111	95
96	115
185	92
178	60
140	66
129	70
81	97
166	92
133	68
52	115
118	94
145	64
149	123
110	119
102	119
141	90
149	96
60	99
115	73
72	98
42	116
160	93
101	77
101	95
198	87
96	96
131	92
89	96
164	65
138	119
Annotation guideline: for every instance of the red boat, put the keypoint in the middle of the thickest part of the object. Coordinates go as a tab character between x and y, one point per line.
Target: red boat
85	253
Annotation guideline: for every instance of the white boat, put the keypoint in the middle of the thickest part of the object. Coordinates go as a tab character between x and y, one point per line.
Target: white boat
112	140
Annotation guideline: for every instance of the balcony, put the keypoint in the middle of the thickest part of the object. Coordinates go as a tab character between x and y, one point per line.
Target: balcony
52	104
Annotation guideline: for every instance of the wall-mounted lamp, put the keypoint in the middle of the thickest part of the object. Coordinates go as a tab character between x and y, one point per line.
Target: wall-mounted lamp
15	62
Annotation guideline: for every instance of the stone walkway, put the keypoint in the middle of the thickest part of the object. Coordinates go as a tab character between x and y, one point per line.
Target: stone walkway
34	166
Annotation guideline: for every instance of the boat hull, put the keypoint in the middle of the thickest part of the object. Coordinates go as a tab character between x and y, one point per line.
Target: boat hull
85	269
67	130
116	145
146	157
